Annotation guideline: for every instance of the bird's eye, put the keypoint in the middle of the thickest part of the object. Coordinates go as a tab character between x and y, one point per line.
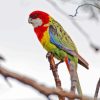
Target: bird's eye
35	16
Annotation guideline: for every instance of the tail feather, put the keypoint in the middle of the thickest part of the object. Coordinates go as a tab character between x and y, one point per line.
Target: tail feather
78	86
81	61
79	90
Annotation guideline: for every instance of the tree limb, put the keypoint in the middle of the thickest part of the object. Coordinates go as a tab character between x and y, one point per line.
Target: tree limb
41	88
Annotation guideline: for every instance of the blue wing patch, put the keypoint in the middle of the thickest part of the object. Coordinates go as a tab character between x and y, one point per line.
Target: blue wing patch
55	42
52	40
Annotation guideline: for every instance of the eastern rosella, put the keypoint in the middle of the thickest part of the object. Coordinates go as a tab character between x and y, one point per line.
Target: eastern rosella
54	39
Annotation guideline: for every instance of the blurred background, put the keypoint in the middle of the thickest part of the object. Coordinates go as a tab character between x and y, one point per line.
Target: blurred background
25	55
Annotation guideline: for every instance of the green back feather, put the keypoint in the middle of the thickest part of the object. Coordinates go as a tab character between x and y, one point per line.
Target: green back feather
62	37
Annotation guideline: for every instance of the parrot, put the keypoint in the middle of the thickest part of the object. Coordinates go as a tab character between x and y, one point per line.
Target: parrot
56	40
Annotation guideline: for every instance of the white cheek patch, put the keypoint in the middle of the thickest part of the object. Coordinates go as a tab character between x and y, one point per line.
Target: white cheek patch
37	22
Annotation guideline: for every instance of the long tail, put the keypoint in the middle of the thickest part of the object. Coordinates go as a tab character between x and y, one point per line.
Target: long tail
79	90
74	76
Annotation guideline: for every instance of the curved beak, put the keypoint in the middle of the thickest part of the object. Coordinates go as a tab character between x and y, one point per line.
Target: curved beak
30	20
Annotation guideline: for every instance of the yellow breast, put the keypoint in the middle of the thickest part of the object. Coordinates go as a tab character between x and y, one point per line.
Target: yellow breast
45	41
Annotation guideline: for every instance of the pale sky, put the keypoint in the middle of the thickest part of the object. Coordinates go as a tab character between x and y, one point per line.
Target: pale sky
25	55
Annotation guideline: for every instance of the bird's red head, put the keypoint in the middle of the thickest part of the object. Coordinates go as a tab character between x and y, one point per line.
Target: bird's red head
40	21
38	18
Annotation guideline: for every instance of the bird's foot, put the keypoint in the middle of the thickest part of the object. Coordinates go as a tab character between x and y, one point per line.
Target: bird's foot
48	54
56	66
53	67
59	63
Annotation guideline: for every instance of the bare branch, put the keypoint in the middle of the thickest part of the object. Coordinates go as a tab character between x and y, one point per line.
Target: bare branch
86	4
41	88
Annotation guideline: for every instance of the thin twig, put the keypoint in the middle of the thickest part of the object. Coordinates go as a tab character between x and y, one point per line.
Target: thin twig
86	4
97	90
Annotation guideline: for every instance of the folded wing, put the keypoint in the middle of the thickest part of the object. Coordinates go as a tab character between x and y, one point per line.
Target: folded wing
63	41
